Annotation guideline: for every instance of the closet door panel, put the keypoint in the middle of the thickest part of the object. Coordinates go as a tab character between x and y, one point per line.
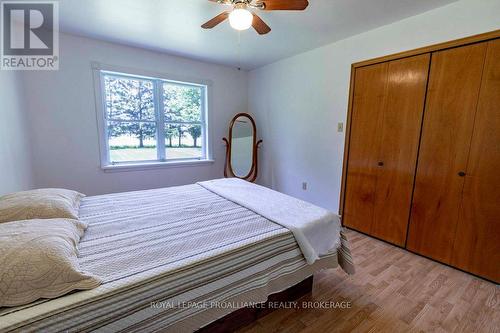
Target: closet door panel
452	96
477	242
400	134
369	95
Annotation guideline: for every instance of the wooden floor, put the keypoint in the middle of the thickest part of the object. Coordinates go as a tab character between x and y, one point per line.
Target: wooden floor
392	291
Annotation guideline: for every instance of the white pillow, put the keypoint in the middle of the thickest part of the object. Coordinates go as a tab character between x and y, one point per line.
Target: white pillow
38	259
48	203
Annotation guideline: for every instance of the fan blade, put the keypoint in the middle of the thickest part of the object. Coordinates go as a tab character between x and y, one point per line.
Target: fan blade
285	4
222	2
216	20
260	26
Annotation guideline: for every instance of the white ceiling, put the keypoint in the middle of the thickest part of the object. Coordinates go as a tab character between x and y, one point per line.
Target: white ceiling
173	26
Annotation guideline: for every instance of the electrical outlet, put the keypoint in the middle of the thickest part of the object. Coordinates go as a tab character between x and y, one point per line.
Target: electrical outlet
340	127
304	186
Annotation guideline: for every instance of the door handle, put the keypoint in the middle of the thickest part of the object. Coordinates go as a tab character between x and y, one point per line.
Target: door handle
380	163
462	174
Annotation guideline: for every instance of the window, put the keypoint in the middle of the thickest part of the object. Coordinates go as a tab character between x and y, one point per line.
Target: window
151	121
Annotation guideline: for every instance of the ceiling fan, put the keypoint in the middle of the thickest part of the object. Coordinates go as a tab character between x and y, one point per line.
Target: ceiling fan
241	18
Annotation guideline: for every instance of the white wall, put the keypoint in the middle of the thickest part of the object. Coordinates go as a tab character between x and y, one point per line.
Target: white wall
62	116
299	101
15	164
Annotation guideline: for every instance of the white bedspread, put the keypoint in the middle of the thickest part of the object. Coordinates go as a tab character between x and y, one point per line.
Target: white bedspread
316	230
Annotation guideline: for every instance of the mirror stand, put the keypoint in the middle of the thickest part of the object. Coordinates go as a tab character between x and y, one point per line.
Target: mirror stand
242	149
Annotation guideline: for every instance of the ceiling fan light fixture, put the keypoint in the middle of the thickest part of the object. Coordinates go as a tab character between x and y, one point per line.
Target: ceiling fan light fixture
240	19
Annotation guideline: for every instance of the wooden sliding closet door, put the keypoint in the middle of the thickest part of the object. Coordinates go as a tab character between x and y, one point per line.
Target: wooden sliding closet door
477	242
387	113
399	134
369	98
452	96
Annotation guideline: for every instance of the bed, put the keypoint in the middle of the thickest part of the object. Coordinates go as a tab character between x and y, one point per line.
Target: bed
173	259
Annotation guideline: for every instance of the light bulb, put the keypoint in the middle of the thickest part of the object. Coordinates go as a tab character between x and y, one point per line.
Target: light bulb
240	19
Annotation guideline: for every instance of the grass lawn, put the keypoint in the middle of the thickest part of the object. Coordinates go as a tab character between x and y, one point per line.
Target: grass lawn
138	154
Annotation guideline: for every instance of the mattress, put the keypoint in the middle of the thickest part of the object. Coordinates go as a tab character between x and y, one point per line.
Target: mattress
172	259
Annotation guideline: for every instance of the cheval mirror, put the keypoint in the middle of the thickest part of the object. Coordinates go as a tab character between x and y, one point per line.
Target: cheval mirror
242	148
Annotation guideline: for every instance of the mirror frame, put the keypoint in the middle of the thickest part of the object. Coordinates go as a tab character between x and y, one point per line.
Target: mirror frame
228	169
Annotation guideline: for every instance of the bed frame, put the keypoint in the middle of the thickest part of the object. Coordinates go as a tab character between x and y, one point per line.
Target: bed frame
246	316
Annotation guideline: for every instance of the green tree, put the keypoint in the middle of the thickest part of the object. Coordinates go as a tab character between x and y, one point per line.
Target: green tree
170	133
180	134
195	132
183	104
130	108
130	101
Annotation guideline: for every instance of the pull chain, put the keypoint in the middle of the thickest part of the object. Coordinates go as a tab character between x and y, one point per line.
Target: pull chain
239	50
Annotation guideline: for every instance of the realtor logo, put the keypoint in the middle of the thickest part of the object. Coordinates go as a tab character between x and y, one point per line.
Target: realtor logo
29	35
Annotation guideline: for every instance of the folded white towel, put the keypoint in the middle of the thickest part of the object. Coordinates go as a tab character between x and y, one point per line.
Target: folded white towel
316	230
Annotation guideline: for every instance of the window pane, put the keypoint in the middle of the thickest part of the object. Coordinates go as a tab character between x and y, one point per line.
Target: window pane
183	141
182	103
129	99
130	141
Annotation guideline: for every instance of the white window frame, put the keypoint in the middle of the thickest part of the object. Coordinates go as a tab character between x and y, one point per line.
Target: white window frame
100	70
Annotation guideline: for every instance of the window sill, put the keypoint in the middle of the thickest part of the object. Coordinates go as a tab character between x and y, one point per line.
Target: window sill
154	165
